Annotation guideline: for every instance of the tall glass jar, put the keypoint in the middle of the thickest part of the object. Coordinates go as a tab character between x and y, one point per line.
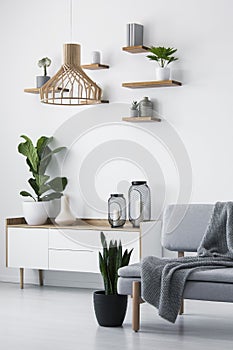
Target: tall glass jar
116	210
139	203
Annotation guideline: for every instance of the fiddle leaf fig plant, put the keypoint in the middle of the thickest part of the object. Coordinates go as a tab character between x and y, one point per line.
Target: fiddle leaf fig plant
162	55
44	62
38	158
110	260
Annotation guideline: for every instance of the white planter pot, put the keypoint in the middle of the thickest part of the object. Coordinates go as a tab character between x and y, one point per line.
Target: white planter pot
162	73
35	213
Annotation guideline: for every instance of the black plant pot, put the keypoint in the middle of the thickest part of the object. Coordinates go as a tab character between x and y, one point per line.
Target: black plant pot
110	310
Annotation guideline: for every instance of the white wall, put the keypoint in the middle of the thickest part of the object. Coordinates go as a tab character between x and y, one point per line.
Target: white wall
200	112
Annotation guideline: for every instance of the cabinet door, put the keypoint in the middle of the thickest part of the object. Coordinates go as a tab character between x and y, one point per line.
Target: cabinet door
28	248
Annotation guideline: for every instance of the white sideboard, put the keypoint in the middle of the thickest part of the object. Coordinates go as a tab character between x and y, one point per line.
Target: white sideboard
73	248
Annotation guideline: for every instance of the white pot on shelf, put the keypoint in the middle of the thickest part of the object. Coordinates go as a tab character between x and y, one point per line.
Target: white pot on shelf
162	73
35	213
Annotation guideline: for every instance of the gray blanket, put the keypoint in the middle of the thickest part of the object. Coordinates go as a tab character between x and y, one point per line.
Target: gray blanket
163	280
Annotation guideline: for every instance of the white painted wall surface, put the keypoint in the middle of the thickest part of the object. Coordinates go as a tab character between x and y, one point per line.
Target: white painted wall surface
200	111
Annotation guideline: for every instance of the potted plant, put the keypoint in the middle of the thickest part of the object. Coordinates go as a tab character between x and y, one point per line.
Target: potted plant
42	79
164	56
134	109
38	158
110	307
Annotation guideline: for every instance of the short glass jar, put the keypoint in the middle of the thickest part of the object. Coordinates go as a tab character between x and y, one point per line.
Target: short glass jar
117	210
139	203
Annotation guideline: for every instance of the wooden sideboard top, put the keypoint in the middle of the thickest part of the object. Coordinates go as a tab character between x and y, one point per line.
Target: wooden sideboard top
80	224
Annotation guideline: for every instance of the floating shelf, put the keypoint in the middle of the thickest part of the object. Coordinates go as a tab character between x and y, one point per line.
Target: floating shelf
95	66
141	119
135	49
37	90
151	84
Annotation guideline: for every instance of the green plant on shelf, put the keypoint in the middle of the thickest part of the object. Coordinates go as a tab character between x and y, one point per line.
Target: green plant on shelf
44	63
134	105
162	55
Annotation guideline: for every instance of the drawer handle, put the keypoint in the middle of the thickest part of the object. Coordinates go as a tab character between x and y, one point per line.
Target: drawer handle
72	250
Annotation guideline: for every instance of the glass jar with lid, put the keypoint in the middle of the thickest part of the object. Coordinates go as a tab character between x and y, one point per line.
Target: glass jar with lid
139	203
117	210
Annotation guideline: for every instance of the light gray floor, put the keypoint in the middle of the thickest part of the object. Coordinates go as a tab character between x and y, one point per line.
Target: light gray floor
63	319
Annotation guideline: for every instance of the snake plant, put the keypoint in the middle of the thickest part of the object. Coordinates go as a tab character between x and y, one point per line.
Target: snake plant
110	261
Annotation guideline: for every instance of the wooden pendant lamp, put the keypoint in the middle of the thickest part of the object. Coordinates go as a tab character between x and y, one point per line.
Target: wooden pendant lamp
70	86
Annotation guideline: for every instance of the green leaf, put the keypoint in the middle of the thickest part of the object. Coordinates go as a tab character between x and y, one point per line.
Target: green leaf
41	180
46	157
28	150
44	162
42	144
126	257
26	194
34	185
152	57
103	240
58	184
104	273
56	150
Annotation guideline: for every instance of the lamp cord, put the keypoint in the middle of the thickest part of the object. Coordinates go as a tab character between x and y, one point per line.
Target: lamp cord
71	20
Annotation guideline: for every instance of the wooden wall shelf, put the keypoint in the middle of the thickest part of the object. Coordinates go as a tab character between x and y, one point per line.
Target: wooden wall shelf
135	49
141	119
151	84
95	66
37	90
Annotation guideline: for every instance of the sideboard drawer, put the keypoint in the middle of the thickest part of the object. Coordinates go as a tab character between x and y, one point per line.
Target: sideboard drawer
82	260
73	239
27	248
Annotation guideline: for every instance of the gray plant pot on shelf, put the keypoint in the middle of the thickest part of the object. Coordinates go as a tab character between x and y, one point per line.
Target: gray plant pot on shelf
41	80
134	112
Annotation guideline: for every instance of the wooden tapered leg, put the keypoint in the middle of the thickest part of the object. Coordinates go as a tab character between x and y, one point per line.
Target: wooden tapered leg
181	255
181	308
41	281
21	271
136	306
